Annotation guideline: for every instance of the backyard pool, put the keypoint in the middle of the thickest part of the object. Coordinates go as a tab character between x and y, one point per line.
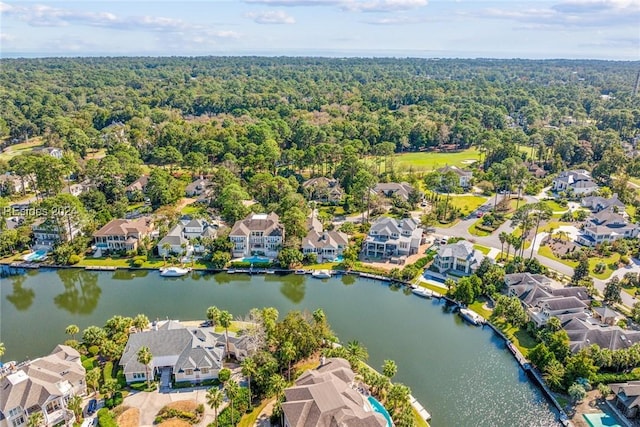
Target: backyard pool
601	420
377	406
256	259
339	258
38	255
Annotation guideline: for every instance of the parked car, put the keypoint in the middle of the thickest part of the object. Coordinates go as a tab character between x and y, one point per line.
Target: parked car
479	214
93	405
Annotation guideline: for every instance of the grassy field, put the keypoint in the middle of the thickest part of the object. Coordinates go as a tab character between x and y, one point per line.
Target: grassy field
478	307
466	203
195	210
476	231
485	250
22	148
426	162
519	337
249	420
615	258
555	206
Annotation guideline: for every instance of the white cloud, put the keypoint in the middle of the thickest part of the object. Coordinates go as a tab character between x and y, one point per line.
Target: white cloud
399	20
271	17
572	13
349	5
4	37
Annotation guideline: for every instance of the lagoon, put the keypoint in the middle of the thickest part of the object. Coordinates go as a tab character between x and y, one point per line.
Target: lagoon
463	375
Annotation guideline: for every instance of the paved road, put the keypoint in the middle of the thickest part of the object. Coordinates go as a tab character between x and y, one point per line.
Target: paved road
461	229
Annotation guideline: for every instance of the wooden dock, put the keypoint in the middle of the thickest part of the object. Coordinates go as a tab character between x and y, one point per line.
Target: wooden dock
101	268
24	265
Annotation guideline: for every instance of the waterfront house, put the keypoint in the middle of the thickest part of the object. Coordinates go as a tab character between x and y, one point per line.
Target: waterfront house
389	237
186	354
42	385
48	232
606	226
585	332
327	396
401	190
457	259
123	234
599	203
137	187
323	190
325	245
198	187
257	234
542	298
464	177
627	398
180	238
578	182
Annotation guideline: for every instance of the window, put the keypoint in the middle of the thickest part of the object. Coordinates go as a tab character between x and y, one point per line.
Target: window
205	371
188	371
139	376
18	421
14	412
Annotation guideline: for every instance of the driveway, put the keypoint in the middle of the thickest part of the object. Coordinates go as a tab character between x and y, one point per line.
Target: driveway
151	403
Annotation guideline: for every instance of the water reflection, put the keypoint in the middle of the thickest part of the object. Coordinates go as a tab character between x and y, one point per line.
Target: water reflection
21	297
122	274
81	291
293	288
348	279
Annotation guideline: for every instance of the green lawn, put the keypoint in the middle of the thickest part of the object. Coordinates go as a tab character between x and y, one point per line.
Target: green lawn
555	206
194	210
476	231
466	203
249	420
323	266
519	337
485	250
22	148
427	162
547	252
447	224
478	307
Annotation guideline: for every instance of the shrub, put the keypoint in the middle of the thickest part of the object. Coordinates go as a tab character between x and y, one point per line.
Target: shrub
74	259
138	263
625	260
93	350
105	418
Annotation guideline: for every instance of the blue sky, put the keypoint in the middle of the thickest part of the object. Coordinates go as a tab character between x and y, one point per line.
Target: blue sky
601	29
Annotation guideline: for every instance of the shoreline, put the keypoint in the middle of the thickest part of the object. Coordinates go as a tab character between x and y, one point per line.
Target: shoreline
562	417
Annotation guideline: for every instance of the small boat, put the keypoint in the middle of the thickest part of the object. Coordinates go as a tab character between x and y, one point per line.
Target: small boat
174	271
231	271
422	292
271	272
300	272
471	316
321	274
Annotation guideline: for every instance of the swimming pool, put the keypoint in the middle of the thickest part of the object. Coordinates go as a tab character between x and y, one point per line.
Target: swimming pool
377	406
256	259
38	255
601	420
339	258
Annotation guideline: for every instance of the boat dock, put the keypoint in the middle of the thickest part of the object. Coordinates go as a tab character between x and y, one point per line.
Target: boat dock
419	408
101	268
24	265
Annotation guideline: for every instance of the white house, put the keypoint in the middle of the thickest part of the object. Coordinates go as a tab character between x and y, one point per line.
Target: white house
325	245
389	237
457	259
606	226
257	234
578	182
184	233
464	176
42	385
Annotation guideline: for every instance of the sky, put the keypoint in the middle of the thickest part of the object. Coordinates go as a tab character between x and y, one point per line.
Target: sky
594	29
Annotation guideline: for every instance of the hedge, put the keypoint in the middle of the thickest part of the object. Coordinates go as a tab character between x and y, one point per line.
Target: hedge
607	378
105	418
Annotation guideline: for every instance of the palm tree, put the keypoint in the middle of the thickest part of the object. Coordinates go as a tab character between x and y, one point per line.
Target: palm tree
225	318
75	405
212	314
2	349
288	352
357	351
233	391
249	369
389	368
145	357
140	322
542	213
166	247
36	419
93	378
214	400
503	236
72	330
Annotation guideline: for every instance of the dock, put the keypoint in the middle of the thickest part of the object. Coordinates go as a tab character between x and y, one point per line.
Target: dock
419	408
101	268
24	265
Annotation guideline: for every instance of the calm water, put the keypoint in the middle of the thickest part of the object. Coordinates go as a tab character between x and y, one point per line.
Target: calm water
463	375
